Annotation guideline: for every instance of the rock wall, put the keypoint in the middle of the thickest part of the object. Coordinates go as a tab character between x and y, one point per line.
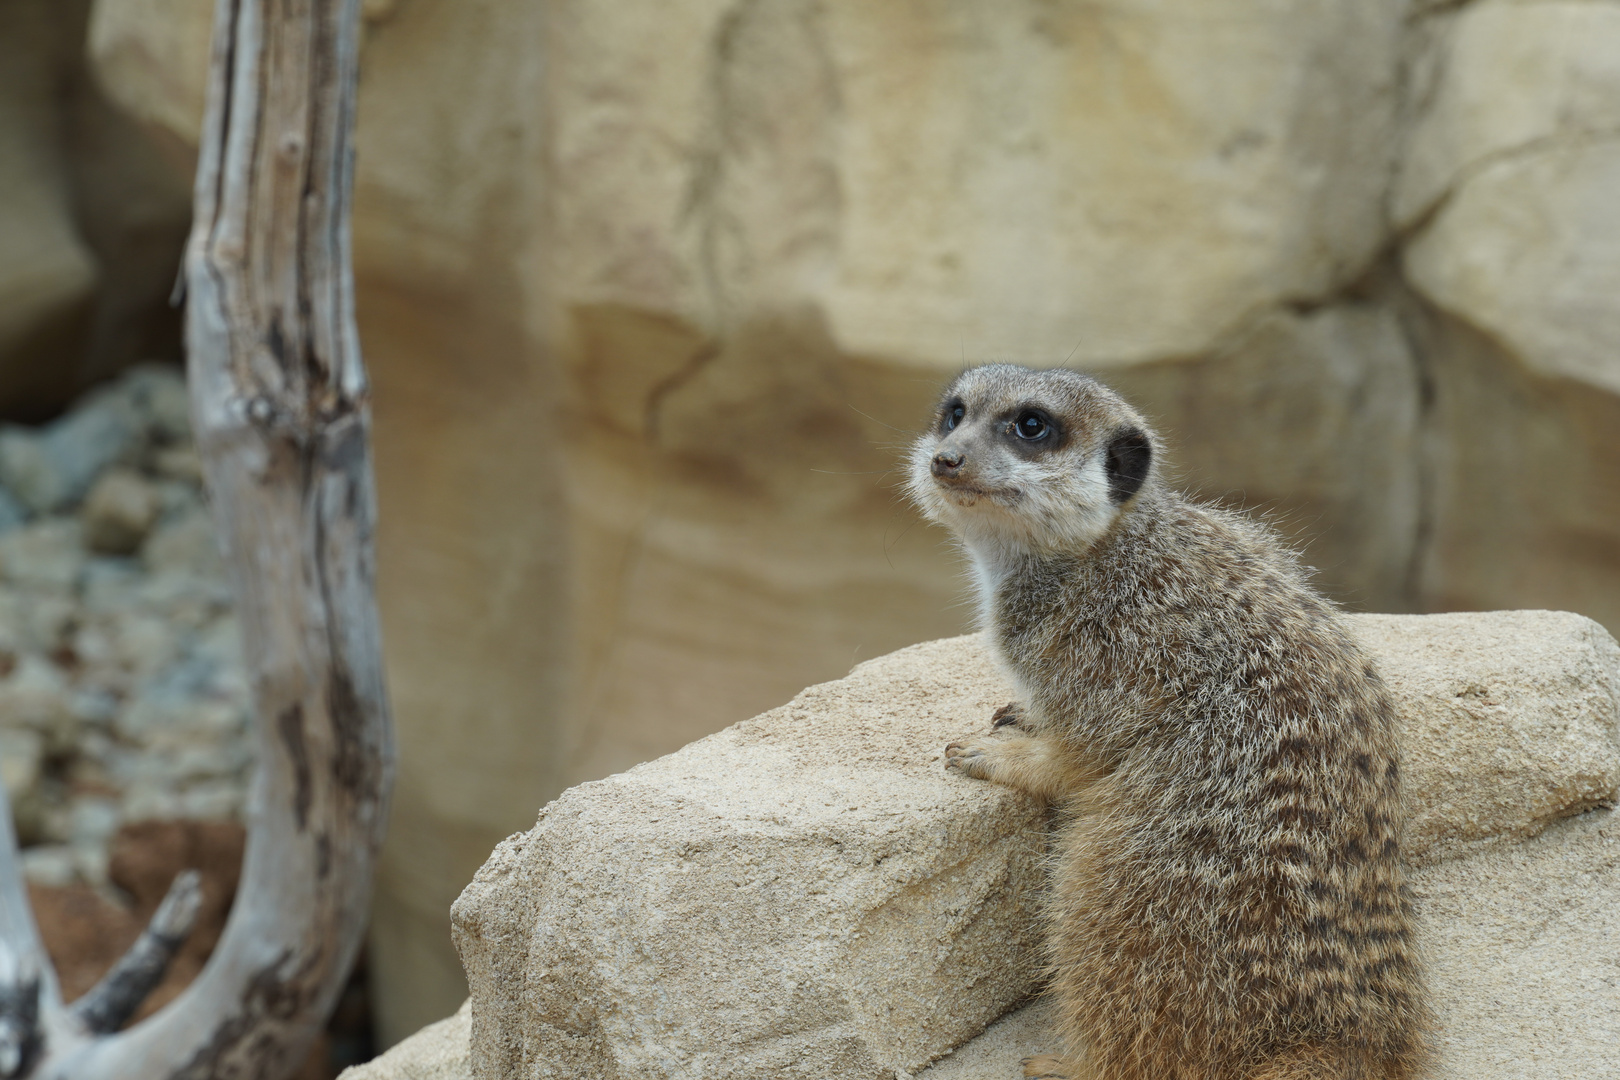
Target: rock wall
652	292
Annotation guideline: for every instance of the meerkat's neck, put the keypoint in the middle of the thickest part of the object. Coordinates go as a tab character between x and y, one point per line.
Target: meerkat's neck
999	563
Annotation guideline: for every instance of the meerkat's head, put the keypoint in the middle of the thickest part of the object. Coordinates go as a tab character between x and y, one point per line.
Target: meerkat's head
1025	460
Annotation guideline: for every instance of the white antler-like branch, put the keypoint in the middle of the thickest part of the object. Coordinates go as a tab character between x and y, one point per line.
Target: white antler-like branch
280	407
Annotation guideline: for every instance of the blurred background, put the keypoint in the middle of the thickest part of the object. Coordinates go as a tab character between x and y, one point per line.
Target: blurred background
653	293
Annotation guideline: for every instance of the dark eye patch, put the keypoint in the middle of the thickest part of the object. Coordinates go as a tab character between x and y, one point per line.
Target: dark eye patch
954	413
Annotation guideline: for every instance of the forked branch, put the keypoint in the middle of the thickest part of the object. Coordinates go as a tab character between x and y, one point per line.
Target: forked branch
120	992
280	407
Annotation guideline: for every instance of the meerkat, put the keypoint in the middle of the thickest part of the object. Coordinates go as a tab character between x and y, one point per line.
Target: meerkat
1226	898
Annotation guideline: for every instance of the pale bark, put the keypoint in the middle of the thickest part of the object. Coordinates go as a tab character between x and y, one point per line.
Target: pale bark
280	409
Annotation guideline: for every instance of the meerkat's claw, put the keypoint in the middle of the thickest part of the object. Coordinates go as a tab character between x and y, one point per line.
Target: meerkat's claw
971	756
1010	713
1045	1067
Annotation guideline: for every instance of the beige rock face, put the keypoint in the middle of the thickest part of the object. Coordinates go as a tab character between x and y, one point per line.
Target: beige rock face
473	555
1125	181
1513	156
1521	944
46	269
151	59
1509	721
1525	506
1528	251
802	894
809	894
437	1052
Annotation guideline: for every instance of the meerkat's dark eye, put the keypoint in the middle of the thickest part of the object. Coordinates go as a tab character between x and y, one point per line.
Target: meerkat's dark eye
953	415
1031	426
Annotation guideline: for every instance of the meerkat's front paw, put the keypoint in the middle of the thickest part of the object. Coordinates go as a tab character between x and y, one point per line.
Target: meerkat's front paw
973	756
1046	1067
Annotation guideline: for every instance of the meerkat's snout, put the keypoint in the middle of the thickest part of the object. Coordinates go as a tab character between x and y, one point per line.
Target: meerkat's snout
947	464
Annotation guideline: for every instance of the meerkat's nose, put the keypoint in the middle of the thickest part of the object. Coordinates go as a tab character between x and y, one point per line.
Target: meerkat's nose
946	463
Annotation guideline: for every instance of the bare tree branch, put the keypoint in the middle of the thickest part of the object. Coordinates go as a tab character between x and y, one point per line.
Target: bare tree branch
120	992
279	401
26	978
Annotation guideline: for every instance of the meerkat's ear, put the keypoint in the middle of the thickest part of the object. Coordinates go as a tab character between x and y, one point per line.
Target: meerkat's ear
1130	455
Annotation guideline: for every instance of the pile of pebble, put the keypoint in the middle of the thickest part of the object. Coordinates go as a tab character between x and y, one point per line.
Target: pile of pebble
122	692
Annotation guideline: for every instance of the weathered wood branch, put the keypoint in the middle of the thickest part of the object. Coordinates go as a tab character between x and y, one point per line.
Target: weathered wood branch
114	999
280	408
27	983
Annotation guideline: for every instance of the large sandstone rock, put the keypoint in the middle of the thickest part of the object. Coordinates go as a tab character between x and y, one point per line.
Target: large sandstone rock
802	894
1523	965
1509	721
1521	944
437	1052
810	894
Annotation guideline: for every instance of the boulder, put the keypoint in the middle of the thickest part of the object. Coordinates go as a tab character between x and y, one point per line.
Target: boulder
1498	80
809	893
1528	251
437	1052
1524	966
1509	721
802	894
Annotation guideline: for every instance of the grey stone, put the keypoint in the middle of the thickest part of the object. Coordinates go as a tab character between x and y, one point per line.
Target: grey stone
118	512
50	864
50	469
186	543
179	463
12	512
22	753
157	394
35	696
45	554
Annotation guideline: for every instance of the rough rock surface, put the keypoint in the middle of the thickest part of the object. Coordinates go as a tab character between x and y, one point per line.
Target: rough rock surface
809	894
437	1052
1513	236
1523	947
1509	721
802	894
